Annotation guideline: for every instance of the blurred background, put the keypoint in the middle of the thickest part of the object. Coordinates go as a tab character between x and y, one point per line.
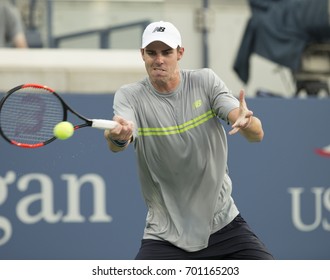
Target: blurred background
69	200
277	42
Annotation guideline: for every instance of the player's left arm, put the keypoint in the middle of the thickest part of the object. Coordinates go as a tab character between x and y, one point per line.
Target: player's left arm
243	121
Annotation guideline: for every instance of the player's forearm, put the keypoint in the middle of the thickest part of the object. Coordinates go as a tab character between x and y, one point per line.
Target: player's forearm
116	145
115	148
253	132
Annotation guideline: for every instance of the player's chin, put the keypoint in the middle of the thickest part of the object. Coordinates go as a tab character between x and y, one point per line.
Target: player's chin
160	79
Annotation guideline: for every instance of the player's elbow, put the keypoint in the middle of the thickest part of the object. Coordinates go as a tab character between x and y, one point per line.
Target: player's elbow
256	137
259	137
255	132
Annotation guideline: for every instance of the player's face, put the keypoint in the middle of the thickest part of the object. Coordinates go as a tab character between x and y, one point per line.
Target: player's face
161	62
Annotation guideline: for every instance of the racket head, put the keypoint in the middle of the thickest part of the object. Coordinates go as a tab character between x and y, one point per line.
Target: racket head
28	114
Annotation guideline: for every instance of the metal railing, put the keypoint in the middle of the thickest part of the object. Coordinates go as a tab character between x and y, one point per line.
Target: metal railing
103	33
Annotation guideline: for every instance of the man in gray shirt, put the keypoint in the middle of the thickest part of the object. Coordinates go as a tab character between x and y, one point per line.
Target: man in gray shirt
173	118
11	26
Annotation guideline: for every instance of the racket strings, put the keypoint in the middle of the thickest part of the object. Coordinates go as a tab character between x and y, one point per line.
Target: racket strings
29	115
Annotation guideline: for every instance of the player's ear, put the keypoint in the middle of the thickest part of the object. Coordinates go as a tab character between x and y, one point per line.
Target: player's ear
142	53
180	51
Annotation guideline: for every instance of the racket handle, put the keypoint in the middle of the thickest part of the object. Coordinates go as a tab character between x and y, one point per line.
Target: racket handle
103	124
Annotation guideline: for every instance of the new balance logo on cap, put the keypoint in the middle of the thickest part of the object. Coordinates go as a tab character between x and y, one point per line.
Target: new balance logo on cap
159	29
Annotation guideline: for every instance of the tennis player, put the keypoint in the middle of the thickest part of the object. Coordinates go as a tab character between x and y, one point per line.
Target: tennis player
173	117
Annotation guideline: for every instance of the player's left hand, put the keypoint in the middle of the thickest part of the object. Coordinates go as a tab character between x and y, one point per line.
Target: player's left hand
244	115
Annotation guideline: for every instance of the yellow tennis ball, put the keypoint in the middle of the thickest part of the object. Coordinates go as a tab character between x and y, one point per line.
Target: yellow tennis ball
63	130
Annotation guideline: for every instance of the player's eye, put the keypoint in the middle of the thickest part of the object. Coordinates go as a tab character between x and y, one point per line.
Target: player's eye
167	52
151	53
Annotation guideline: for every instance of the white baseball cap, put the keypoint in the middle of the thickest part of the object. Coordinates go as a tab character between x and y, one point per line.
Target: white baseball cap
162	31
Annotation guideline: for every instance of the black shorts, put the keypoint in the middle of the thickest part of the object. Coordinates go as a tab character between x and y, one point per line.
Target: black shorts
236	241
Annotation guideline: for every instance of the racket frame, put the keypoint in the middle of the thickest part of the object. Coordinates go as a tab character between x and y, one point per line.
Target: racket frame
98	123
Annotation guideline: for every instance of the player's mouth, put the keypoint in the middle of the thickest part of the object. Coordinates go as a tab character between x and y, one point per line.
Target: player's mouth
159	72
159	69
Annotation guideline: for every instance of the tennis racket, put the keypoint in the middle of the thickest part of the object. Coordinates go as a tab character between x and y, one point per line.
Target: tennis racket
29	112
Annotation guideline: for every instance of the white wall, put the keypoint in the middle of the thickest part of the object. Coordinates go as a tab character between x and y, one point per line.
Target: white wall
230	17
70	70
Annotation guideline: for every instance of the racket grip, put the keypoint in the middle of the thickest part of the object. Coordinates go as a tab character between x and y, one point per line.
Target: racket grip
103	124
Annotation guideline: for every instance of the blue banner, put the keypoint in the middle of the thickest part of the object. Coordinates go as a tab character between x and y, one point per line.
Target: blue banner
74	199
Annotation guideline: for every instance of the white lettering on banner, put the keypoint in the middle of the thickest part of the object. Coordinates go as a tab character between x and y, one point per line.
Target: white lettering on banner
46	196
322	200
5	225
75	184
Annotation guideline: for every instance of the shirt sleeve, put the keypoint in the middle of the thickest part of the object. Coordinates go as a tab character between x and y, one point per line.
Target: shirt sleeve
123	108
222	100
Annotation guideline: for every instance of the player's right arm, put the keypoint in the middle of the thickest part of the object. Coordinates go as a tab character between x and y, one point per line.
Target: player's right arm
121	136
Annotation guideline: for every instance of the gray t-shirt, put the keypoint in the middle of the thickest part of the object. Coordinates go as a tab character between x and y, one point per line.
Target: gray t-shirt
181	150
10	23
